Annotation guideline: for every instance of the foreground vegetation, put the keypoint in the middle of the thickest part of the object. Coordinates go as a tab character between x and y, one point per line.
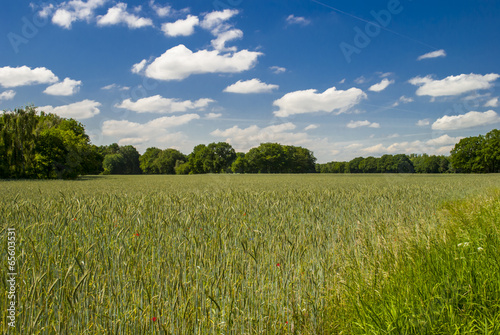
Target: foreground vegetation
255	254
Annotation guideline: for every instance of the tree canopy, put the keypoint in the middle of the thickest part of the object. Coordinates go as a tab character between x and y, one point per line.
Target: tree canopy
40	145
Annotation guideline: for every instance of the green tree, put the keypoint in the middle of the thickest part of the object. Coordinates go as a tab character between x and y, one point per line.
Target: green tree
148	159
466	156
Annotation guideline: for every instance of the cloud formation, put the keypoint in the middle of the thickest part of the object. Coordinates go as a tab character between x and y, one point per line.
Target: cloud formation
453	85
492	103
468	120
181	27
292	19
159	104
23	75
151	128
7	95
365	123
250	86
247	138
179	63
67	12
79	110
309	101
118	14
381	86
65	88
433	54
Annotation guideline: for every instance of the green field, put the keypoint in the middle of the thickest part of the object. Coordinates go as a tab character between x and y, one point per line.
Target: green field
254	254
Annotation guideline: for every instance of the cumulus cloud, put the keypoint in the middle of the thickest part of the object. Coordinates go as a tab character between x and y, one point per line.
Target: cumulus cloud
214	21
443	140
247	138
181	27
468	120
213	115
137	68
222	38
277	69
403	100
67	12
148	130
7	95
65	88
433	54
23	75
365	123
492	103
159	104
309	101
311	127
381	86
453	85
250	86
161	11
423	123
179	63
118	14
292	19
79	110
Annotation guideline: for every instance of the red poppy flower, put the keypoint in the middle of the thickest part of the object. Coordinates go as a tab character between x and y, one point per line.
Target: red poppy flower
137	234
154	318
277	264
244	213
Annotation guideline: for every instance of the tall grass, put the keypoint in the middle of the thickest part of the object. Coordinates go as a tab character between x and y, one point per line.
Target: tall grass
253	254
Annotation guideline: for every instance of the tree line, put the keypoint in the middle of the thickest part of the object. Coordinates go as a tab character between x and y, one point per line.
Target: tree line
46	146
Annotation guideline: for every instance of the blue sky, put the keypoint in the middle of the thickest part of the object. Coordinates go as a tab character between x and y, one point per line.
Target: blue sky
341	78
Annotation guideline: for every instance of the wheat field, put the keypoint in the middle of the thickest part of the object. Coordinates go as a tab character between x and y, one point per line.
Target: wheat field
254	254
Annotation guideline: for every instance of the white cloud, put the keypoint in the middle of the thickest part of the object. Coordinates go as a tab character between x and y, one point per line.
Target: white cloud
79	110
468	120
214	20
118	14
115	86
159	104
342	81
453	85
7	95
277	69
161	11
403	100
308	101
311	127
68	12
423	123
181	27
137	68
179	63
381	86
65	88
443	140
220	42
213	115
244	139
250	86
151	129
292	19
23	75
365	123
492	103
360	80
433	54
